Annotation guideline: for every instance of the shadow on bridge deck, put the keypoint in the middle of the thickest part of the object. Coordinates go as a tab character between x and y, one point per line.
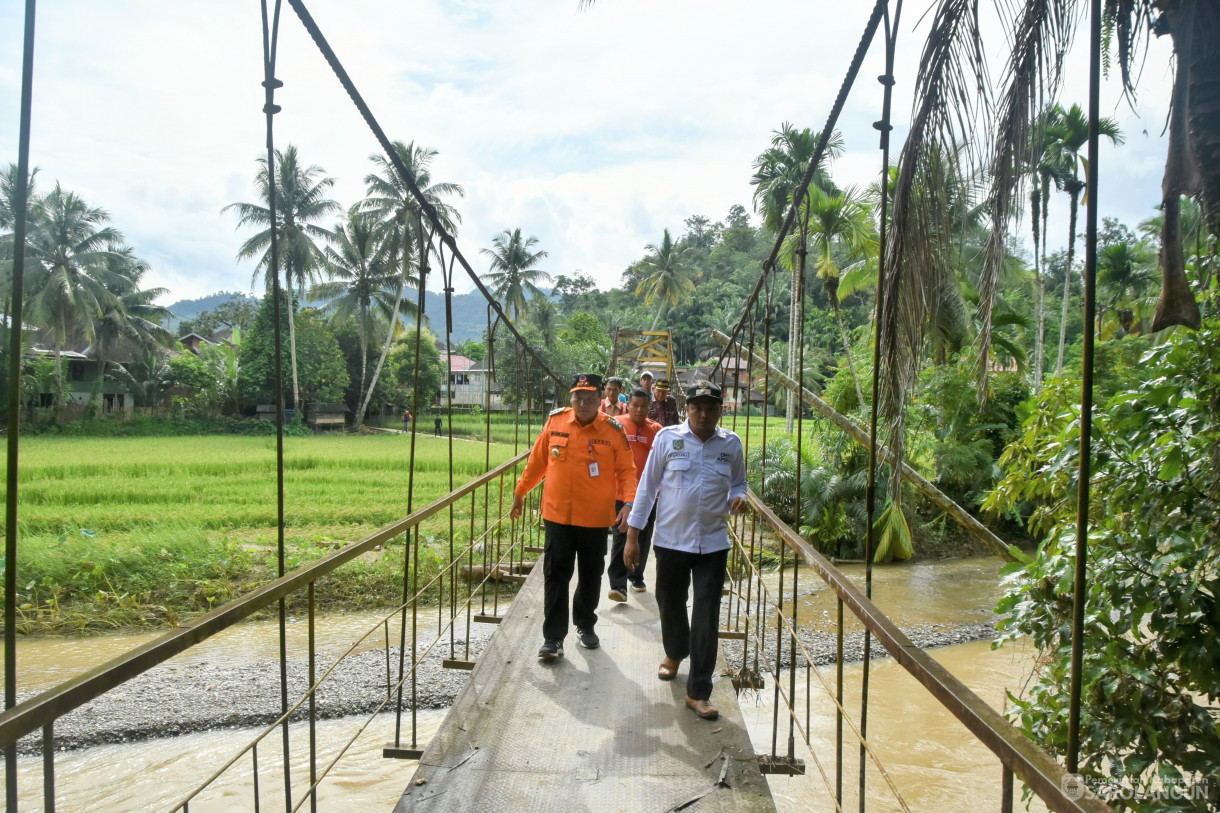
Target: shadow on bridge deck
594	731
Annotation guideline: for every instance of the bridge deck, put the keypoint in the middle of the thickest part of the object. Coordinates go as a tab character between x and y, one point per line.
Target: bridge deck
594	731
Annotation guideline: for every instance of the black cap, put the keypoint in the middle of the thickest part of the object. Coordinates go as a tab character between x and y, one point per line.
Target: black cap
586	381
705	389
663	383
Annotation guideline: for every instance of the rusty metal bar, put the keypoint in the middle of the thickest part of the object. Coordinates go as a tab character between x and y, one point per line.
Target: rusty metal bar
313	707
14	398
254	769
1033	765
48	768
59	700
1080	588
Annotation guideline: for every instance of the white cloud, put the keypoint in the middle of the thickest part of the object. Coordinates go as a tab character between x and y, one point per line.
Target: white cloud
593	131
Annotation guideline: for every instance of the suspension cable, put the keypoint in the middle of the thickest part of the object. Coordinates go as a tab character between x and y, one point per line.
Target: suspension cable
271	30
425	205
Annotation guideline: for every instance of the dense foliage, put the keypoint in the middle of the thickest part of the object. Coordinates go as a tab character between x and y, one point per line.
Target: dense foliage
1152	619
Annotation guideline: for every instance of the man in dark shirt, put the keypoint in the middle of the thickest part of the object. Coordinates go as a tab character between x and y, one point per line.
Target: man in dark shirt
664	407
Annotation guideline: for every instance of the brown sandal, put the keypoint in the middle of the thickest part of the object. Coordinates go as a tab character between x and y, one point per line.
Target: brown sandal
668	670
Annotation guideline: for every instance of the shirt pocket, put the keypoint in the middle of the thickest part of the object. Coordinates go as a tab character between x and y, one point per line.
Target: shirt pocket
677	473
557	448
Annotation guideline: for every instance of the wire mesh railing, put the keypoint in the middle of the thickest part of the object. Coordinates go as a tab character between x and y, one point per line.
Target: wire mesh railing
763	580
489	551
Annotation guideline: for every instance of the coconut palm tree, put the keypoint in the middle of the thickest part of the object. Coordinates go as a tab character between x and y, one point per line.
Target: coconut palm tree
364	284
513	273
1072	135
130	315
74	279
840	224
390	198
666	276
300	199
1045	167
777	174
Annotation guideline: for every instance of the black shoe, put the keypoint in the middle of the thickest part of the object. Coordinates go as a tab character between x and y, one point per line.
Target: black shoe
616	594
588	639
638	586
550	650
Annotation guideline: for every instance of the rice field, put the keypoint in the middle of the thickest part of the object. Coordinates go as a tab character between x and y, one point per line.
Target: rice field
226	485
144	531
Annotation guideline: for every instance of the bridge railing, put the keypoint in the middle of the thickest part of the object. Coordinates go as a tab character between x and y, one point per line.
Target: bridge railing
468	587
772	650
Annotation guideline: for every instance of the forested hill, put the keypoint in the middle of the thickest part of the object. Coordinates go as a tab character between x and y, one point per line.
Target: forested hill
190	308
469	312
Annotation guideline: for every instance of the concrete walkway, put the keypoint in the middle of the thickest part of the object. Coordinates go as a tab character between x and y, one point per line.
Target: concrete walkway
594	731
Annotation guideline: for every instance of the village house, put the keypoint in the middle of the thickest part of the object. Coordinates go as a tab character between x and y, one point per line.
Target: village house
79	375
469	385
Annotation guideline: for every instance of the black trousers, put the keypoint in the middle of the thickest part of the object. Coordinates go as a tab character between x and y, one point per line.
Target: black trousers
697	636
616	571
568	548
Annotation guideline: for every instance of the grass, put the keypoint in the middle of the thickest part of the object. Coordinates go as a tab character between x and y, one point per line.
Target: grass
131	532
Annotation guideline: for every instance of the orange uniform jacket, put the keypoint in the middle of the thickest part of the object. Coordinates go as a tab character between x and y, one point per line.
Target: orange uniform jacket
563	453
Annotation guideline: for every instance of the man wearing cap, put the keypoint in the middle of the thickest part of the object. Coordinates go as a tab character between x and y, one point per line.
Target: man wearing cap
664	407
585	458
646	384
699	470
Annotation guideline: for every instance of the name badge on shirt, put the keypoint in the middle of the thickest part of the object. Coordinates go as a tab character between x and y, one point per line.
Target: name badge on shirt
593	470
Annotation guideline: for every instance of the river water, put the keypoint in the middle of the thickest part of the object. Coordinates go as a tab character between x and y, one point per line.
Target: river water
935	762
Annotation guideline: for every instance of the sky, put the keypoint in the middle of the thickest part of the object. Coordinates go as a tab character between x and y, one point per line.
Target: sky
591	130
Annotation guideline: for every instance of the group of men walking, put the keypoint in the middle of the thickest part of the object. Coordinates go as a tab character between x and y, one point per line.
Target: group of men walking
630	461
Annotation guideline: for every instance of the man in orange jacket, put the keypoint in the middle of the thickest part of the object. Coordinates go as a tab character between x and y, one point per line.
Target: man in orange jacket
586	460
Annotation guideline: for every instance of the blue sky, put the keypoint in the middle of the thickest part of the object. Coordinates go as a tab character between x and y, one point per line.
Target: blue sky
592	131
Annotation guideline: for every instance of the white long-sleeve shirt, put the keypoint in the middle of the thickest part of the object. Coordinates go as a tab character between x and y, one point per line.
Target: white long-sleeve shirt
692	483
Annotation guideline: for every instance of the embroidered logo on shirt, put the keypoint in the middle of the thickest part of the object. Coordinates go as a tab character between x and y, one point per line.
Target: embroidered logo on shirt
678	444
724	457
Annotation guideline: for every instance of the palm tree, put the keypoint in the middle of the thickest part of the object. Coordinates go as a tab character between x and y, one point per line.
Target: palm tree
129	315
390	198
513	273
300	195
1124	275
666	276
1073	134
544	315
840	223
74	281
363	278
777	174
1045	166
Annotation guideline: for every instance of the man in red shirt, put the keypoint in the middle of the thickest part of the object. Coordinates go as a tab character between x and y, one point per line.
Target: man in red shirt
640	431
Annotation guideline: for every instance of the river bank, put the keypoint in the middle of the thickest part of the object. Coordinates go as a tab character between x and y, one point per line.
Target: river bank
193	696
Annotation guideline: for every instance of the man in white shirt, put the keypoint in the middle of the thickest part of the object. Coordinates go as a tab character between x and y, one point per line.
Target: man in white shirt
696	475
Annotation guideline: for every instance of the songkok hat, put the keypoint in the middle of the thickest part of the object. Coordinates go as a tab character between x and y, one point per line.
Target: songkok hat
586	381
705	389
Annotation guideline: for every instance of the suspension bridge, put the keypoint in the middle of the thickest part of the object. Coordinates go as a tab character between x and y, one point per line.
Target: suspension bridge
597	730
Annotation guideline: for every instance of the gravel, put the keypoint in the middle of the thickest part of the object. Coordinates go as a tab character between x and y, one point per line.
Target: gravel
179	698
186	698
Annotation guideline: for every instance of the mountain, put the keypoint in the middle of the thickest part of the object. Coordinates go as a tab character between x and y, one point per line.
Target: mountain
190	308
469	312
